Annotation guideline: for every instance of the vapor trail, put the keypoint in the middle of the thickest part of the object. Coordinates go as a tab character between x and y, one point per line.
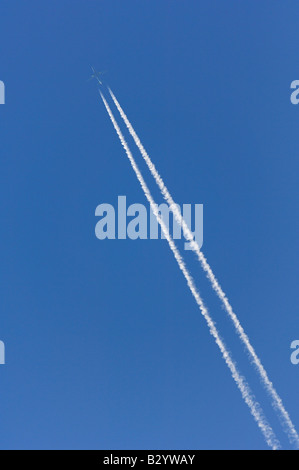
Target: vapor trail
254	407
276	400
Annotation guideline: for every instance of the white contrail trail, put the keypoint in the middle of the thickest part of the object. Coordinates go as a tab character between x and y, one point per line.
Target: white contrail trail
276	400
240	381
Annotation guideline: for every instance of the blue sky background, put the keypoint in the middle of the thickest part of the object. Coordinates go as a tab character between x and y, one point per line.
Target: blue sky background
105	346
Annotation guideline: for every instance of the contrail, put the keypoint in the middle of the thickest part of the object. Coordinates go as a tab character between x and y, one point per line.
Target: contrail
254	407
276	400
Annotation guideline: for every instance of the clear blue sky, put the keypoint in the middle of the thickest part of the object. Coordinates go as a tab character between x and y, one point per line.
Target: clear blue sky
105	345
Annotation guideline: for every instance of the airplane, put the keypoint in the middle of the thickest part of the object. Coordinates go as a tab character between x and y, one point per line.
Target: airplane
96	75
